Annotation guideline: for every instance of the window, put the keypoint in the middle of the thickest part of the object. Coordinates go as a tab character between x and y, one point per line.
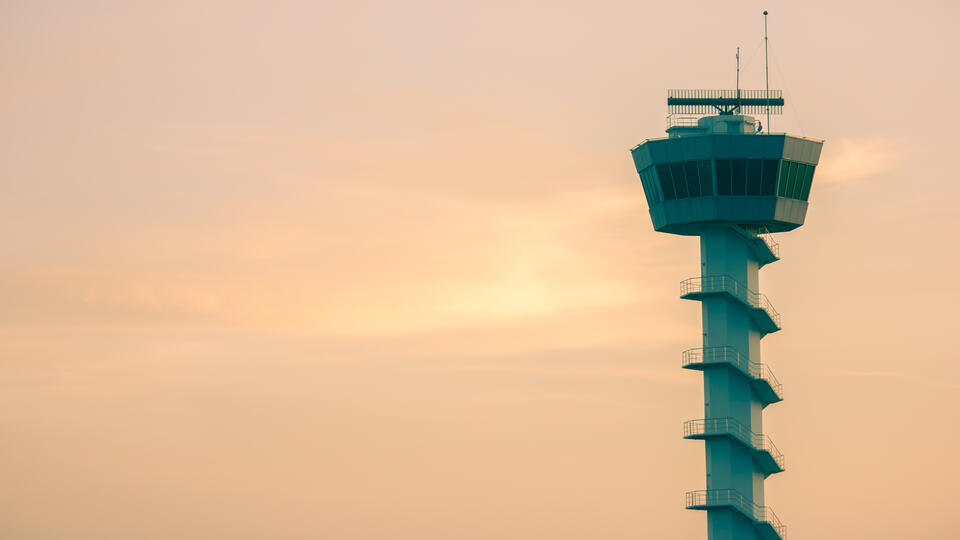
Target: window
645	190
706	178
807	182
693	178
654	189
795	180
666	182
769	185
754	170
723	177
784	172
798	185
739	169
679	180
649	189
792	179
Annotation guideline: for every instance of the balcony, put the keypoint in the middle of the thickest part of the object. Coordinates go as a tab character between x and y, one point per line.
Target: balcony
772	245
764	383
762	245
761	310
766	455
765	520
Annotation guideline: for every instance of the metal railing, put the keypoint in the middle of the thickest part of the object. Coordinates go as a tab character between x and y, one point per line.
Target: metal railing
682	120
730	426
721	283
732	497
729	355
718	355
771	243
767	374
766	514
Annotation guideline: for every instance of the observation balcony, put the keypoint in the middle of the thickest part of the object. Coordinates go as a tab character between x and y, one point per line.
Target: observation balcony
765	454
761	244
765	520
764	383
772	244
761	310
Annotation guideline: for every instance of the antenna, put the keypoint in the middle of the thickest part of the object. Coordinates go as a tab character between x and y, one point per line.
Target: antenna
738	79
766	61
724	101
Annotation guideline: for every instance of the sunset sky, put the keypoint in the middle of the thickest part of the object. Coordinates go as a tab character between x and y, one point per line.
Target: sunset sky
384	270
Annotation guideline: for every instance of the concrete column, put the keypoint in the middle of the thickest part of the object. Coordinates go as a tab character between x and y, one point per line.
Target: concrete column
727	391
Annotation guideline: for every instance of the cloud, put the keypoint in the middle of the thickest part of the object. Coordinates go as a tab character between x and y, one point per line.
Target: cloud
852	159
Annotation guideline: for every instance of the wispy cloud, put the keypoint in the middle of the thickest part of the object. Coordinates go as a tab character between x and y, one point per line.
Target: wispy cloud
848	160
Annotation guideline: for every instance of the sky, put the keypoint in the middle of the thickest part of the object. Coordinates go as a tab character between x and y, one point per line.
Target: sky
384	270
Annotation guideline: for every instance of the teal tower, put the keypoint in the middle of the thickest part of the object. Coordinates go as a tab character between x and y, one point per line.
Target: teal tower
718	176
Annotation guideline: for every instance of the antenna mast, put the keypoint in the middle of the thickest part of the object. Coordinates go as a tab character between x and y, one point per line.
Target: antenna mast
738	79
766	61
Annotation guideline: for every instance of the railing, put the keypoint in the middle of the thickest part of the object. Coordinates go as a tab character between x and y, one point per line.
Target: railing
710	284
765	513
729	355
682	120
718	355
767	374
771	243
732	497
763	442
729	426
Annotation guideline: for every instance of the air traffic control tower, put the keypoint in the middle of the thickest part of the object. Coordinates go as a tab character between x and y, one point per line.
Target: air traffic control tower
718	177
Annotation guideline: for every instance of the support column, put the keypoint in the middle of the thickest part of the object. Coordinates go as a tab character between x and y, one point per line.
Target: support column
727	390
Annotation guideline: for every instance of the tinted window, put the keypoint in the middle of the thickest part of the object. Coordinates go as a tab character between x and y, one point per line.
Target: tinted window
784	172
693	182
723	177
795	184
807	182
706	178
647	186
666	182
754	169
791	179
739	169
679	181
769	176
654	188
645	190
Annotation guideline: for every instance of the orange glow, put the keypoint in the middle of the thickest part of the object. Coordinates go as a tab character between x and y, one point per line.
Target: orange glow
374	270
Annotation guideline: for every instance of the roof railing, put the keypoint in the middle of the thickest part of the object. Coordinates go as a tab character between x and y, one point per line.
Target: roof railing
684	120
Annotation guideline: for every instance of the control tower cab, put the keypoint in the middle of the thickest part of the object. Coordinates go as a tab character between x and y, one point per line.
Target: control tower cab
723	169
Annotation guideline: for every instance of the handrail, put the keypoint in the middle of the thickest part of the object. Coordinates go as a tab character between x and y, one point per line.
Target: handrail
685	120
715	355
732	497
722	283
730	426
767	374
771	243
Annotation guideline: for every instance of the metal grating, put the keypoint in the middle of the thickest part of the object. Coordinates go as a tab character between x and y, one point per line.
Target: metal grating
724	101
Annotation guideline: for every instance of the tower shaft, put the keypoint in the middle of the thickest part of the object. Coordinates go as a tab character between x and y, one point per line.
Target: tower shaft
735	318
727	391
